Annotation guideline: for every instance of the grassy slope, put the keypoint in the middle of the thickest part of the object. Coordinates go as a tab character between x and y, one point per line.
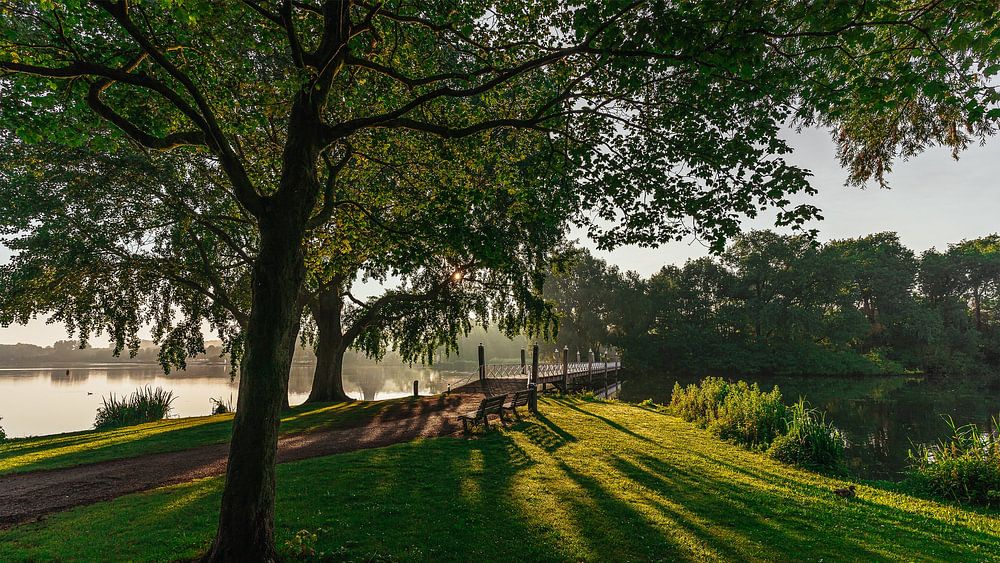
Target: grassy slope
66	450
587	481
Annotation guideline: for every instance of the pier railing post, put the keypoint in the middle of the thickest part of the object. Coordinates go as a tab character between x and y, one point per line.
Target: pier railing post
565	366
605	375
533	398
416	387
533	379
524	369
482	363
590	369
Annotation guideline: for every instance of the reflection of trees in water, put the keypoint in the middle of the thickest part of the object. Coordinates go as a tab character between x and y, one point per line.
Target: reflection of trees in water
394	380
300	379
69	376
368	383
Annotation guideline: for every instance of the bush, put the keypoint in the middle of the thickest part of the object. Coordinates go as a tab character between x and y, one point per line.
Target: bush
699	403
3	435
222	406
749	416
733	411
143	405
809	441
964	467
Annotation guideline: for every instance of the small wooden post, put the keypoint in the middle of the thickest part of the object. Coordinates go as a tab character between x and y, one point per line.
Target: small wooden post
590	369
524	368
565	360
605	374
416	387
533	380
482	362
533	398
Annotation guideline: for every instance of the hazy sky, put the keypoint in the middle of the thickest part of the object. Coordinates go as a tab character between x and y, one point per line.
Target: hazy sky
934	201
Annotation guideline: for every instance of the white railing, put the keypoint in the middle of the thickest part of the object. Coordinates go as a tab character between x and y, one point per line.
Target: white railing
546	370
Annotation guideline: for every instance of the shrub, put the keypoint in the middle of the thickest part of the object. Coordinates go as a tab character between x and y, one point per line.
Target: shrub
699	403
222	406
733	411
809	441
749	416
648	403
964	467
3	435
143	405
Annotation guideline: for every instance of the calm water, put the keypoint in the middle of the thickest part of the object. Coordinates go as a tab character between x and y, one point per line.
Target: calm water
37	401
880	415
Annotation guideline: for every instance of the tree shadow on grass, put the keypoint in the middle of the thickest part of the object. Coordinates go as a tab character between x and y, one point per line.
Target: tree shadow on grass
824	524
571	404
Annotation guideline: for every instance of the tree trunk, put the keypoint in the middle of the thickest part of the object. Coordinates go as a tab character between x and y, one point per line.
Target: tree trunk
246	519
331	344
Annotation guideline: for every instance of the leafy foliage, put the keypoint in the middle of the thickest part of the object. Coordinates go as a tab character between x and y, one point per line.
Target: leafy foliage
142	405
736	411
809	440
759	420
964	467
788	305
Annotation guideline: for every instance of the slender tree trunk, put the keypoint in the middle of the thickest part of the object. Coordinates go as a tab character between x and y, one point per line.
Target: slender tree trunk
246	519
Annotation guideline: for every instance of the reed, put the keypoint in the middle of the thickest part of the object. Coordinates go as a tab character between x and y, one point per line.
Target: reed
142	405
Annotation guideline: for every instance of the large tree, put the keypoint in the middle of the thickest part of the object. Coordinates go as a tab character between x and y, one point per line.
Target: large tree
670	112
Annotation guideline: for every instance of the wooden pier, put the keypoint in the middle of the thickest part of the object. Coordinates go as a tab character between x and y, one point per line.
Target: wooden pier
566	376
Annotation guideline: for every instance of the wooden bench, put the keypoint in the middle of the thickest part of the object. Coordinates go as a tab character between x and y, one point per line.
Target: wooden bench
488	406
520	399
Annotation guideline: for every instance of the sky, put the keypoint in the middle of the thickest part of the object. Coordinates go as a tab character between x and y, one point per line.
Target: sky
933	201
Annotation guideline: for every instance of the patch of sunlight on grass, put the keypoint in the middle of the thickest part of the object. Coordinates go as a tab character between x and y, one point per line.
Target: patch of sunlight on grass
585	481
473	469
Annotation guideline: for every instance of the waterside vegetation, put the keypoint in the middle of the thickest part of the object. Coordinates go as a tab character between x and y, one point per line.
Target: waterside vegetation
585	480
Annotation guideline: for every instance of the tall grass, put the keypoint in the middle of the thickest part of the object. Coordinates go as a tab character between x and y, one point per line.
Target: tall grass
736	411
143	405
809	440
964	467
759	420
221	405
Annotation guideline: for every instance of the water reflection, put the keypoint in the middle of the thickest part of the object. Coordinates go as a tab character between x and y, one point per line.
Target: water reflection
882	417
45	400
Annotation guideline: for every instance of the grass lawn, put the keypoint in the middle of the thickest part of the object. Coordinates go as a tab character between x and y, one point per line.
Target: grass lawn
66	450
585	481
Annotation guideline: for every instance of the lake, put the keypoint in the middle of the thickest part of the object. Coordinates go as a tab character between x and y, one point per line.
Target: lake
50	400
879	415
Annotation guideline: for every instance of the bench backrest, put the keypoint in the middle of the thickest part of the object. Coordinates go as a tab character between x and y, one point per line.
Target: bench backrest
520	398
491	405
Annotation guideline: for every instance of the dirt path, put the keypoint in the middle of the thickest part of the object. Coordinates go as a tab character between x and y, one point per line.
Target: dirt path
25	497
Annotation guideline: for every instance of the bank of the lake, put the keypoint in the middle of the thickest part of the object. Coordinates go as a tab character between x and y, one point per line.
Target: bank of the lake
584	481
881	416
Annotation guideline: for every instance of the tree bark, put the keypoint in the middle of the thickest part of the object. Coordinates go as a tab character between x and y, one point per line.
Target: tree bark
328	379
246	519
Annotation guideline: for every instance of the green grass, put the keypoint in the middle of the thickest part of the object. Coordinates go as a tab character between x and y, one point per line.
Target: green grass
586	481
67	450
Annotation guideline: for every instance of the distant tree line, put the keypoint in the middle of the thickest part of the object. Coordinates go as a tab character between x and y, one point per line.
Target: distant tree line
788	305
